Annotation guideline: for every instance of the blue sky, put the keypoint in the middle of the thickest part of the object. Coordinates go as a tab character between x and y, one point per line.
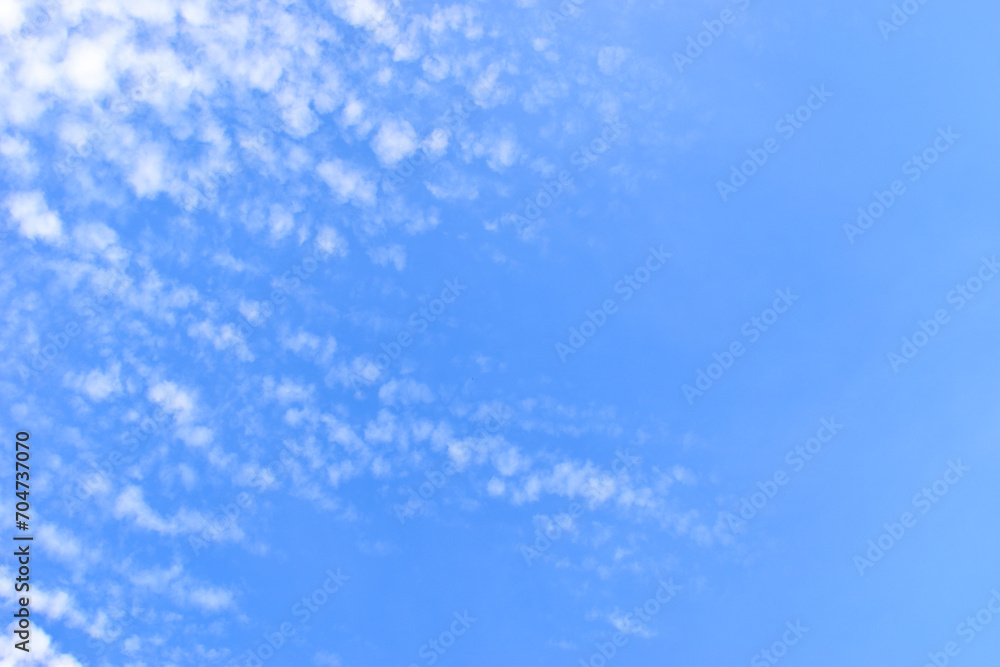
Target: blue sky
360	333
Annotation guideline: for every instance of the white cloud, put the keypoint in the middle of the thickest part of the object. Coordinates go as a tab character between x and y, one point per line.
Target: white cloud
496	487
34	219
509	461
436	143
287	391
195	436
96	385
353	112
157	578
610	59
452	183
383	429
406	391
347	182
330	242
43	650
395	140
222	338
570	479
394	254
501	151
11	16
148	172
487	90
60	543
226	260
130	504
300	121
301	341
360	12
210	598
627	623
560	523
17	152
435	67
324	659
173	399
282	221
94	236
87	63
684	475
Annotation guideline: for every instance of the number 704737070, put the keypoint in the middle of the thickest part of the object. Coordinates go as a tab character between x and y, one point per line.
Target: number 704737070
23	453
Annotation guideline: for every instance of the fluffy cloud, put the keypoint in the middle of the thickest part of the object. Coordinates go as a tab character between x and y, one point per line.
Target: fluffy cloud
347	182
394	254
395	140
33	217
